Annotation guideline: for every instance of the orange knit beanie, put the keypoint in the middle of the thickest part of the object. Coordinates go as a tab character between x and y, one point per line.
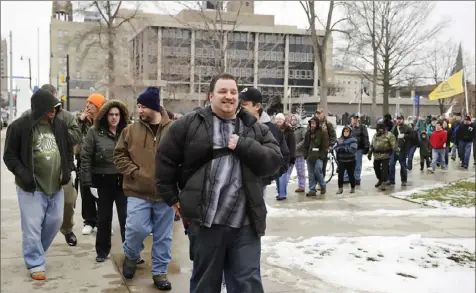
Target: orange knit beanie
97	100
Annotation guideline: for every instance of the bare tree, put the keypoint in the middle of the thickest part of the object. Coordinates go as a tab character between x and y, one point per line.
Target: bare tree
320	44
402	33
108	35
220	46
365	28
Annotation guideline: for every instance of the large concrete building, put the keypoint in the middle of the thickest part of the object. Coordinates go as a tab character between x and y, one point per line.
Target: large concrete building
187	49
182	52
4	72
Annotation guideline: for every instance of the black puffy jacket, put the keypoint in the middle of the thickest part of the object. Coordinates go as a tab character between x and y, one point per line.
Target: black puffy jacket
184	158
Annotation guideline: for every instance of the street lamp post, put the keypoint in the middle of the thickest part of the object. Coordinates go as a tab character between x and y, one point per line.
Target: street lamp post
67	83
29	70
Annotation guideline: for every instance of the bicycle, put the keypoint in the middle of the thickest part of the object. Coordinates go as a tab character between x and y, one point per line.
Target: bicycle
331	166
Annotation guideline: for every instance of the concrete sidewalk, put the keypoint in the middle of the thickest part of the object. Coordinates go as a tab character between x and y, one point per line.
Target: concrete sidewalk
73	269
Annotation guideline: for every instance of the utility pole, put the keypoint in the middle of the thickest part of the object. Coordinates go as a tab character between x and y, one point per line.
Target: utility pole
38	52
11	79
29	70
67	83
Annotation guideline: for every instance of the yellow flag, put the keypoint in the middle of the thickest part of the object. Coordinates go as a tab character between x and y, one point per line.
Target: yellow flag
449	88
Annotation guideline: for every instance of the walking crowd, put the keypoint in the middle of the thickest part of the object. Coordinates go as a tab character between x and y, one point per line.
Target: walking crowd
209	168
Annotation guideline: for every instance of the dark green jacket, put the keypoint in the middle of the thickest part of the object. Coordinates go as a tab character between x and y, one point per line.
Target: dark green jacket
316	143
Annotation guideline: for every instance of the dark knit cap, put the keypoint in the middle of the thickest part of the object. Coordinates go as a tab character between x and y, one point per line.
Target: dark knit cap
150	98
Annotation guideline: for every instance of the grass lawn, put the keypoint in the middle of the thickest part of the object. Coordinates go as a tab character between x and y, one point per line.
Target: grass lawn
457	194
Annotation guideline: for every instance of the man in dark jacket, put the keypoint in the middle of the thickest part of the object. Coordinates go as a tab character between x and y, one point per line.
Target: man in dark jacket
464	135
315	148
404	134
360	133
388	122
70	194
220	190
39	154
250	100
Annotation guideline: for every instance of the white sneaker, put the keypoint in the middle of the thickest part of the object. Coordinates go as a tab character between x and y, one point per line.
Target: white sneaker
430	170
151	234
95	229
87	230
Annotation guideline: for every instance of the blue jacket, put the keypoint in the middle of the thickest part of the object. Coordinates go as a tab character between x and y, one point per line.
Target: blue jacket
346	147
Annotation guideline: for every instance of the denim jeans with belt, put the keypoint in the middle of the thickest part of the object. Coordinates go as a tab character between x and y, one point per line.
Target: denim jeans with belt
315	173
41	218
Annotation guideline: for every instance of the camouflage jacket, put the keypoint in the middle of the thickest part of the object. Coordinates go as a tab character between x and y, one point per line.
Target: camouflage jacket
382	146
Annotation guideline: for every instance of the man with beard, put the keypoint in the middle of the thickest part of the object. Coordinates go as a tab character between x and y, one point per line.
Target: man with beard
404	134
147	213
40	155
209	167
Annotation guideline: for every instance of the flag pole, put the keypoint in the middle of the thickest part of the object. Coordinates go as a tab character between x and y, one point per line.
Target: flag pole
465	92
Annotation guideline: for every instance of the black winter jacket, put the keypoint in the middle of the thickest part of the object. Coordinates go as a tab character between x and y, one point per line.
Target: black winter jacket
184	158
18	154
404	143
361	134
97	152
466	132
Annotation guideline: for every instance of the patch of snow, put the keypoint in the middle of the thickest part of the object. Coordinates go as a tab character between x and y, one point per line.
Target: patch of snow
378	264
421	212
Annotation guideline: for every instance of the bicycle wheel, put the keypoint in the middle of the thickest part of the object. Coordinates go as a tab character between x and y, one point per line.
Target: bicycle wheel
329	169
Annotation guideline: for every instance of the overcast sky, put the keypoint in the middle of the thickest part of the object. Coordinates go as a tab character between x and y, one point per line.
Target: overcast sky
23	18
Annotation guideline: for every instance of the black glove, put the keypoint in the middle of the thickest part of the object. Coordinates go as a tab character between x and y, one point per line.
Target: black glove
365	151
292	161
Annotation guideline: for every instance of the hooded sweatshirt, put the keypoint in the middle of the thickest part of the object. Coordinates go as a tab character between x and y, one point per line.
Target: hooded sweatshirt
438	139
18	154
424	144
346	147
316	143
134	156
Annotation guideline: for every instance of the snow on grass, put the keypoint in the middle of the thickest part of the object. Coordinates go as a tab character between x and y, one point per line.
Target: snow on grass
379	264
456	195
419	212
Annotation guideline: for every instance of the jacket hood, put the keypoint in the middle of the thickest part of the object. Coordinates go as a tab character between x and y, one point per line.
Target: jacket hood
423	132
42	102
101	118
350	130
264	117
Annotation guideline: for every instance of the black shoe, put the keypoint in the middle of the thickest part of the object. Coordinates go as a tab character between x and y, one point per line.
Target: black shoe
162	283
101	258
357	182
378	184
177	218
71	239
311	193
140	261
129	268
323	191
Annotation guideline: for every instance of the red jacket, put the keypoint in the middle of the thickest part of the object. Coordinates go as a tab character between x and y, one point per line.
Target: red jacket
438	139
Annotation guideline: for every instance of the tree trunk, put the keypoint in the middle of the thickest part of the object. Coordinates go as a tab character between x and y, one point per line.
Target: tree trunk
373	109
110	64
323	91
386	87
441	105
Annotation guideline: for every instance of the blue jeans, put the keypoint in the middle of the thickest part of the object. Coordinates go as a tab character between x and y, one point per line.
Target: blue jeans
314	170
411	153
358	167
144	217
282	183
402	159
464	149
41	218
438	155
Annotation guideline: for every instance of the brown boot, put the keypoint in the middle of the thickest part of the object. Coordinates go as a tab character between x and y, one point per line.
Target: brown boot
299	190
